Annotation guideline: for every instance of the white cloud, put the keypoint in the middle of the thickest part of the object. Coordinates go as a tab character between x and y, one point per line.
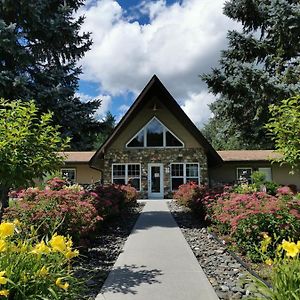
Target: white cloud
105	103
180	42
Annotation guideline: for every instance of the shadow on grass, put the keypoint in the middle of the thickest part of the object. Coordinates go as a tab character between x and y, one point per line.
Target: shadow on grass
125	279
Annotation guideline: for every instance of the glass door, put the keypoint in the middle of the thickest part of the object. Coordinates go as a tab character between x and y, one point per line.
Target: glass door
155	181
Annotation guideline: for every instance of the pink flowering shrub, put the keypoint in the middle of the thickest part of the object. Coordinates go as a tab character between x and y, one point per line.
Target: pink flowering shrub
65	211
56	183
192	196
110	199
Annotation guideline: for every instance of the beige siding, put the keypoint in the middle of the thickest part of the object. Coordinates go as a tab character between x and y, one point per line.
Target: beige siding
227	173
84	174
165	116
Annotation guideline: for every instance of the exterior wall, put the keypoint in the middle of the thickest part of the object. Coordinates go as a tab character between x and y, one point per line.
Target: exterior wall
84	174
146	156
227	173
165	116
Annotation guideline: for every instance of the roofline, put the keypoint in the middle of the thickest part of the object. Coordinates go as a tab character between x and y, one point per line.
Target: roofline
178	110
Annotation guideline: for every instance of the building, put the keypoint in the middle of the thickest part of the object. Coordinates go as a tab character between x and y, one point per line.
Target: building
156	148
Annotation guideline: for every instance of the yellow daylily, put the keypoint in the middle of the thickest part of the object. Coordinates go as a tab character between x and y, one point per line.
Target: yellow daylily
3	280
4	293
58	243
43	272
6	229
269	262
59	283
41	248
291	248
3	246
71	254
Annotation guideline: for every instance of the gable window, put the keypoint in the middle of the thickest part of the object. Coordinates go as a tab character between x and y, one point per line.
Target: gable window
182	173
154	134
127	174
244	175
69	174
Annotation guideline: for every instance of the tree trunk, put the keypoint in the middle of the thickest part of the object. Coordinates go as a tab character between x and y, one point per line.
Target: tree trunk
4	199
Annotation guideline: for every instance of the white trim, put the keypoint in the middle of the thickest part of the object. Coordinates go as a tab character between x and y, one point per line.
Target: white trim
161	173
126	172
71	169
184	172
165	128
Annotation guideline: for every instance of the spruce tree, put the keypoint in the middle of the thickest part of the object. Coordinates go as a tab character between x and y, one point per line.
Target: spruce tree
40	45
259	68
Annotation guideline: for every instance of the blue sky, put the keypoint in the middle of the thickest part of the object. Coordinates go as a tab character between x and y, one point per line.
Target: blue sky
132	40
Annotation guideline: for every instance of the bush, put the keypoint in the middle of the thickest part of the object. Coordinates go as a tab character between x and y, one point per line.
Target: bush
192	196
35	269
67	211
130	194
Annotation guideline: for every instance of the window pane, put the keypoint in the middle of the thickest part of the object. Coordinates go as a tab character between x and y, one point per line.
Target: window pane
133	170
244	174
138	141
172	141
69	174
119	181
155	134
192	170
119	171
195	180
267	172
177	169
135	182
176	182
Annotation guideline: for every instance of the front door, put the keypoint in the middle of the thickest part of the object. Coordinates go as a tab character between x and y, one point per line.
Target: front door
155	181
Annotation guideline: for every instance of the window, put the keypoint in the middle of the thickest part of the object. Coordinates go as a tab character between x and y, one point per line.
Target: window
127	174
183	173
267	172
244	175
69	174
154	134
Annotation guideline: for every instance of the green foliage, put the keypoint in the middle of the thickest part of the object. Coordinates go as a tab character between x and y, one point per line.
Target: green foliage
259	68
258	178
31	268
28	145
284	127
40	45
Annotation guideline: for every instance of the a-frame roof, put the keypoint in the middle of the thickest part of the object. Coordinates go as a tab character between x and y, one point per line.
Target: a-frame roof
156	88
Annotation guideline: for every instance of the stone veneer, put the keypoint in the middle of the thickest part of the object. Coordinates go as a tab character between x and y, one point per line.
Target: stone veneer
146	156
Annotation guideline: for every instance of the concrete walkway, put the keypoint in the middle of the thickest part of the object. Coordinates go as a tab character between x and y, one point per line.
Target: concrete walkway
156	263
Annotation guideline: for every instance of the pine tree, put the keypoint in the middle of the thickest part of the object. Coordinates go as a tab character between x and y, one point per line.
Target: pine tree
40	45
259	68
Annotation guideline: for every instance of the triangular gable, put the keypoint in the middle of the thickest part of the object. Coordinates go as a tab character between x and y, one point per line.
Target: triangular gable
156	88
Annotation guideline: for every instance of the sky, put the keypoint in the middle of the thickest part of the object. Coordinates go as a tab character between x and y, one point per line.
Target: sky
132	40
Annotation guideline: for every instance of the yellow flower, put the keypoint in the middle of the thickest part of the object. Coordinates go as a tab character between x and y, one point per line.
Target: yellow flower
4	293
64	286
298	245
58	243
70	254
17	222
3	246
3	280
290	248
6	229
41	248
43	272
269	262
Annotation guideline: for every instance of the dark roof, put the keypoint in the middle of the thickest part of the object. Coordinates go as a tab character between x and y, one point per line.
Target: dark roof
156	88
248	155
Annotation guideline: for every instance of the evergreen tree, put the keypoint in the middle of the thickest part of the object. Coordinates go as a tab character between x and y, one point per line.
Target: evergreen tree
40	45
259	68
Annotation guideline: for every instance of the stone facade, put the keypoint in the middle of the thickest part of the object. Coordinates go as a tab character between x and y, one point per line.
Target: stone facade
166	156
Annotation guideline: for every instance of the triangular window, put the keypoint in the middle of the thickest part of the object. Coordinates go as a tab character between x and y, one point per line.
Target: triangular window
154	134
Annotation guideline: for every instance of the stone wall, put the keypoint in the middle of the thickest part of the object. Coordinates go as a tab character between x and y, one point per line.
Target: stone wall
164	156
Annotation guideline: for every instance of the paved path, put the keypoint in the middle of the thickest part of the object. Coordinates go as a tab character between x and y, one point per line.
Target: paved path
156	263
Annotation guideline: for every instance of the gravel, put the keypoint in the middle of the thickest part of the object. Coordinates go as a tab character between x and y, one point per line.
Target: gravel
98	260
225	273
